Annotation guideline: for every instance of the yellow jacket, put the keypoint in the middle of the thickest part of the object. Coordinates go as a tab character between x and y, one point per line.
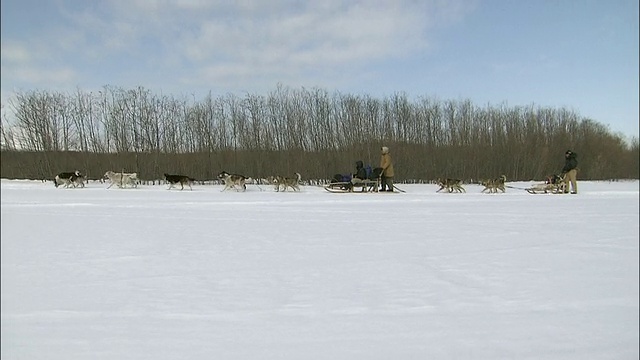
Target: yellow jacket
386	164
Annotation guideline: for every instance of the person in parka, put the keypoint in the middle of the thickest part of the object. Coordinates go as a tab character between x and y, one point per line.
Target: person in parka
387	170
360	174
570	172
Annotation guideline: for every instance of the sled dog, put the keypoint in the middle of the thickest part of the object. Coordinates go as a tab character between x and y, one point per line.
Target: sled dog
451	185
272	180
555	183
235	181
173	180
121	179
285	182
376	173
493	185
67	179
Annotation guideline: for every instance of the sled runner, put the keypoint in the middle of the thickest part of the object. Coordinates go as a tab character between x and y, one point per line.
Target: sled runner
545	189
541	189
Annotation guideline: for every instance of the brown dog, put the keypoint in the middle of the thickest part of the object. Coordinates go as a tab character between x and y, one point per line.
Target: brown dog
493	185
451	185
285	182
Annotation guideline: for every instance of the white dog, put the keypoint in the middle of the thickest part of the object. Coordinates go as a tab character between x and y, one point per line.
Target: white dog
121	179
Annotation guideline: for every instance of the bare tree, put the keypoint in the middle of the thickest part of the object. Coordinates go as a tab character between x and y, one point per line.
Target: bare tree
306	130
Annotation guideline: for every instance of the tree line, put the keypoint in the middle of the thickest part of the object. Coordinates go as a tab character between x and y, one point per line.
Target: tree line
310	131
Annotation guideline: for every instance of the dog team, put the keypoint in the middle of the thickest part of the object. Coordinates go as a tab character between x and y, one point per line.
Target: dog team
455	185
553	184
124	180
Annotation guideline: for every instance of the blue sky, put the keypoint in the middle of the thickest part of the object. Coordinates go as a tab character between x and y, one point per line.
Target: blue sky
579	55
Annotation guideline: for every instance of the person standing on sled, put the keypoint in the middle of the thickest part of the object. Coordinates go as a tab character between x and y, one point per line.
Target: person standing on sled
570	172
387	170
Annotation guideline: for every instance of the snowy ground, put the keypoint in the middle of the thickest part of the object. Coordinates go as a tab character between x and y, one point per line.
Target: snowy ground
154	274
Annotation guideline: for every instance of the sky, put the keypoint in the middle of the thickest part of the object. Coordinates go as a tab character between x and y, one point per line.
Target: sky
147	273
581	55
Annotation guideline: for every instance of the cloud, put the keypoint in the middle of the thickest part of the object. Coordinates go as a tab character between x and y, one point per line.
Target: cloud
26	74
23	67
62	75
14	53
198	42
306	39
324	36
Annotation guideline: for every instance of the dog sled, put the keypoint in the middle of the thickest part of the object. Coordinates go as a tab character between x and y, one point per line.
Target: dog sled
368	181
554	184
363	186
544	189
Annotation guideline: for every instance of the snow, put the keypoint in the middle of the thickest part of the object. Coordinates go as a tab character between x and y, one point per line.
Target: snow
151	273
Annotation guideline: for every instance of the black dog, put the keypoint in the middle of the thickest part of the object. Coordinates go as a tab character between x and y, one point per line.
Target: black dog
376	173
178	179
69	178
